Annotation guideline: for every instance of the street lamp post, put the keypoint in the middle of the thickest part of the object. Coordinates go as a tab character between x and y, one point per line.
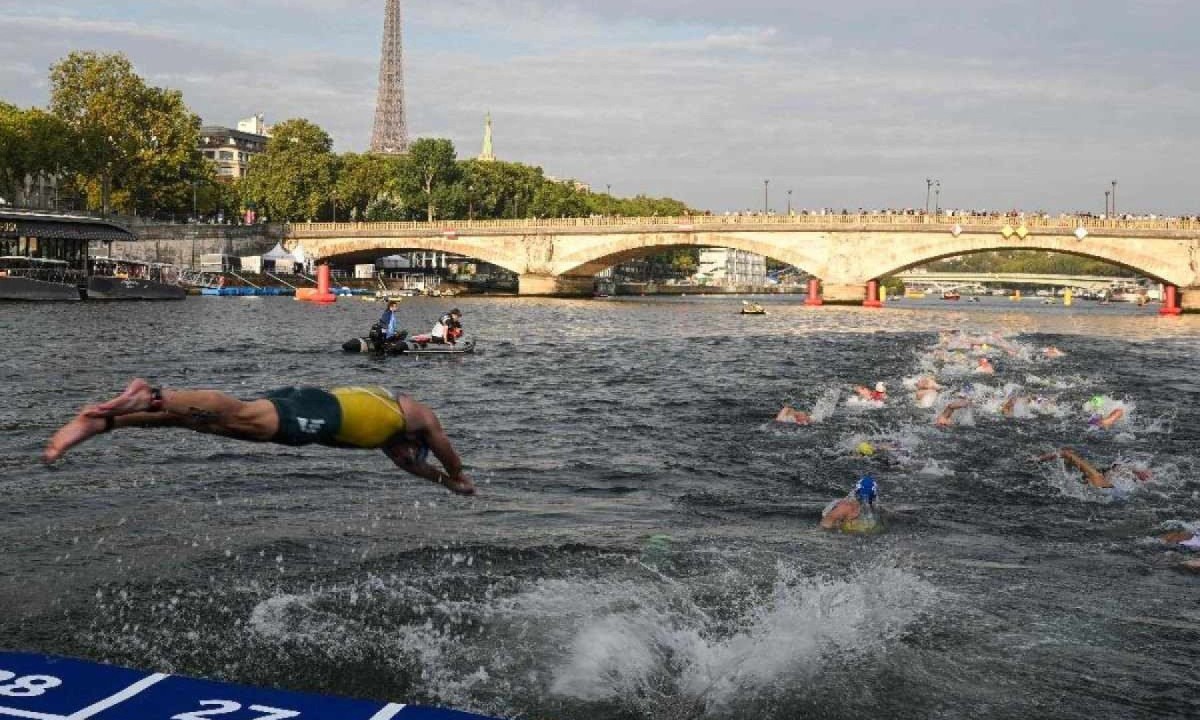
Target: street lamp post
1107	193
608	188
1114	198
470	202
928	190
766	196
937	195
789	203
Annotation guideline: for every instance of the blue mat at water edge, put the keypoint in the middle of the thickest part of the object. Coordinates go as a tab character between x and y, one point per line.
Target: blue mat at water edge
39	687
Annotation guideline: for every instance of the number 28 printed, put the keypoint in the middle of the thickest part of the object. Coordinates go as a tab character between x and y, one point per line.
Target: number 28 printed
27	686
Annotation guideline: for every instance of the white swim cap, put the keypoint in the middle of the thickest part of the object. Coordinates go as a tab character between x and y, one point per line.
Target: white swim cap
880	387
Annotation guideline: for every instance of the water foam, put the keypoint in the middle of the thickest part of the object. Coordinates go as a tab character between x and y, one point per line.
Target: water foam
656	647
660	647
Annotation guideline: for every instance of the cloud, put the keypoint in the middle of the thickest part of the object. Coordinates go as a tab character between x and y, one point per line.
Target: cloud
1012	104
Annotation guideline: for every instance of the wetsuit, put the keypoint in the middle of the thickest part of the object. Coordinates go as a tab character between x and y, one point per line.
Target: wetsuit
348	417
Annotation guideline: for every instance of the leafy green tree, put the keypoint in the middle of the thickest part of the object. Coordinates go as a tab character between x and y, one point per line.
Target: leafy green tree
500	189
558	199
431	167
387	207
361	179
31	142
133	144
293	179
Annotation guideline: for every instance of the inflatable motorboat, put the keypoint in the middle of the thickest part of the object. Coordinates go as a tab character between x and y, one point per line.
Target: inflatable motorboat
410	346
753	309
405	345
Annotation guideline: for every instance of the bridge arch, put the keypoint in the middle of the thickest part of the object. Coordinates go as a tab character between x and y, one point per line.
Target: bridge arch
1120	252
344	249
591	258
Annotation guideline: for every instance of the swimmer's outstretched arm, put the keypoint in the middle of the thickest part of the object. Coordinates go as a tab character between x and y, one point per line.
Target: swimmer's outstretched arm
423	423
1094	477
403	454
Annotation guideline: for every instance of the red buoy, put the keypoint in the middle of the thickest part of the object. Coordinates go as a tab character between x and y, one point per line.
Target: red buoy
872	300
1170	301
814	293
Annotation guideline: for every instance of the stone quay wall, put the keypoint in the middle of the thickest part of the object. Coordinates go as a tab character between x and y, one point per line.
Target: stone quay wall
183	245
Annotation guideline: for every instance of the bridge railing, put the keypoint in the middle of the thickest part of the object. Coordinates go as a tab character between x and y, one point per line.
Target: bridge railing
1067	223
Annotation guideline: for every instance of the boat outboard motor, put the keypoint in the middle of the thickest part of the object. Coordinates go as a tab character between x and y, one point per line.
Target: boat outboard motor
376	339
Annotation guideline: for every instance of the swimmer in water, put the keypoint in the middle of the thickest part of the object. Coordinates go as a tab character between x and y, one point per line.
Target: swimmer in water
371	418
928	382
879	394
946	417
1106	422
1188	539
861	499
1094	477
926	397
985	367
793	416
1052	352
1009	407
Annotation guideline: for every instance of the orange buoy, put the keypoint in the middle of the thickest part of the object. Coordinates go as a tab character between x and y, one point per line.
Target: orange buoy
320	294
814	293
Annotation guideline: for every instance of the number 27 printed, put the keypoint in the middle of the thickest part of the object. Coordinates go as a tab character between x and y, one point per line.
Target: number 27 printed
225	707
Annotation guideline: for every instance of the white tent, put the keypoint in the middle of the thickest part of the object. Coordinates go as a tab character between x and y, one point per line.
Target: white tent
300	256
277	252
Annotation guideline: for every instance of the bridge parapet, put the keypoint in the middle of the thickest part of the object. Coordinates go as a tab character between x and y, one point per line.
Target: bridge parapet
1067	224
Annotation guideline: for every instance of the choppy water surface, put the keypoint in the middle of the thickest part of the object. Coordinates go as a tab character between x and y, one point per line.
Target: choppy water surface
645	540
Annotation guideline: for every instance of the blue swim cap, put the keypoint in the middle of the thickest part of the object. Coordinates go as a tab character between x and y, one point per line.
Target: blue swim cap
865	489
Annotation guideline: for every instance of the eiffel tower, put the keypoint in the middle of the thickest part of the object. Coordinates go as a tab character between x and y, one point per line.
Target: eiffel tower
391	129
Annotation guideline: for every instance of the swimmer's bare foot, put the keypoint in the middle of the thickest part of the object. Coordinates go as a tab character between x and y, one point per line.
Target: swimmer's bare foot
460	485
82	428
136	398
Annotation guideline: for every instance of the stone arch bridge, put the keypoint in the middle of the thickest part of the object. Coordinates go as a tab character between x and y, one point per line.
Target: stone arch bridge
849	253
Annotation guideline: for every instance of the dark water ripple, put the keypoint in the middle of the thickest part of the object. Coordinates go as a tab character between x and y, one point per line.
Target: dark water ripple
1001	590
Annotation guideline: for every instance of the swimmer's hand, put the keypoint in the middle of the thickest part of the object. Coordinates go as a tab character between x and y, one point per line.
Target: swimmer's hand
458	484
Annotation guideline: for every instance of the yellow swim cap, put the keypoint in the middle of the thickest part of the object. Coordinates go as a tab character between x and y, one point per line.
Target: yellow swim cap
865	449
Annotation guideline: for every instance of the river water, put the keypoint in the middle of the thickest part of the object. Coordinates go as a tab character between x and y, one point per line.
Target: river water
645	541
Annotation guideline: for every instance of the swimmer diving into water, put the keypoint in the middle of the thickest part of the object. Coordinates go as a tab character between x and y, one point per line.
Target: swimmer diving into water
352	417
